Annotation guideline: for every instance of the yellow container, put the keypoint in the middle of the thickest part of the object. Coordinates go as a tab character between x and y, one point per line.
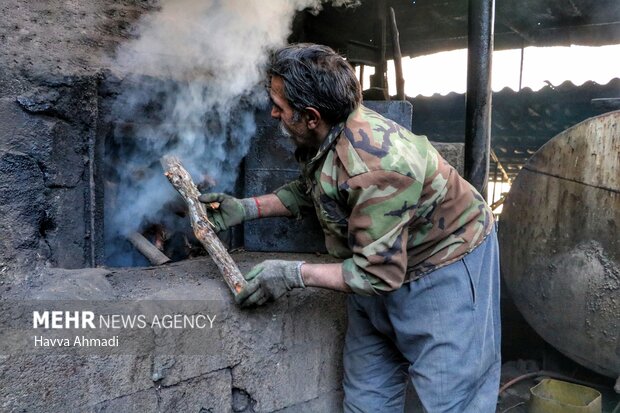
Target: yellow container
555	396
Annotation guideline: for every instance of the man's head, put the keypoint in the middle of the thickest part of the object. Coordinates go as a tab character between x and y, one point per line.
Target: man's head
312	88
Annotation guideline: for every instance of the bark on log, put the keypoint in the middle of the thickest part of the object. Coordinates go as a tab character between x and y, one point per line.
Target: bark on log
150	251
182	182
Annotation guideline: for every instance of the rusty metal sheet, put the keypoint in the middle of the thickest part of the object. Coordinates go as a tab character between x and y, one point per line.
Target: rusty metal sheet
560	246
588	153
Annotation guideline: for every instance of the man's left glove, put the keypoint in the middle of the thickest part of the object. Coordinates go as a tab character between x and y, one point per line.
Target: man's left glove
231	211
270	280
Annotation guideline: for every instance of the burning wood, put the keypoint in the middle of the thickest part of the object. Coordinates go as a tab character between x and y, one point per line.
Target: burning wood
156	234
182	182
154	255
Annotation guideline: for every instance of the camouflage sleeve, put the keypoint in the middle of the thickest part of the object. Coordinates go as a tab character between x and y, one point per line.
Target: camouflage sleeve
382	205
295	197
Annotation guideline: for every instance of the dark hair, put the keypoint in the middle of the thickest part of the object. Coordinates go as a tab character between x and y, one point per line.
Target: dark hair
318	77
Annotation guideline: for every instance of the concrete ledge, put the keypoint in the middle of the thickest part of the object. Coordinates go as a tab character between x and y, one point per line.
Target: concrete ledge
285	356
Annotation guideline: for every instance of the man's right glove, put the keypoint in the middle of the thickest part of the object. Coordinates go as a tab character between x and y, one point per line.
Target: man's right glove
231	211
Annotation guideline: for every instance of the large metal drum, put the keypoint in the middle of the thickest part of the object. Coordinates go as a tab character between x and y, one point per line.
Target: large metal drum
560	245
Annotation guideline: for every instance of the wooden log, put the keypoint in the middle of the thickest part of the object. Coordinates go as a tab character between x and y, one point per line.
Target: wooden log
398	58
182	182
505	176
362	76
154	255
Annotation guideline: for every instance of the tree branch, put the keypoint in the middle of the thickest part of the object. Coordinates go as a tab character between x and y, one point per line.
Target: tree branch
182	182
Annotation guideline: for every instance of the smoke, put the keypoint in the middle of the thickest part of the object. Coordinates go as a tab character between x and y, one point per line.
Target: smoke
192	81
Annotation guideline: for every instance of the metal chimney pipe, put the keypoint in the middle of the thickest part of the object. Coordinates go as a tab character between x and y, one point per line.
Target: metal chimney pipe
478	108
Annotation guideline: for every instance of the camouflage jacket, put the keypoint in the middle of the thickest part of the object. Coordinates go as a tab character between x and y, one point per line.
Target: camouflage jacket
389	204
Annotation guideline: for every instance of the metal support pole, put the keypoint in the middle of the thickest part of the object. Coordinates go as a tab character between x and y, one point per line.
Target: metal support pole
521	67
478	109
378	79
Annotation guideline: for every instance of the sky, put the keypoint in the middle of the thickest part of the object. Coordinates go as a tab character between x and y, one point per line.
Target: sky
446	72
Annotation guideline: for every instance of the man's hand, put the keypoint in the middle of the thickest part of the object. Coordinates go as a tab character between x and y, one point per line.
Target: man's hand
270	280
230	211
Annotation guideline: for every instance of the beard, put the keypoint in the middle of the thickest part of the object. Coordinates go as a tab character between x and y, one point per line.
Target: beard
284	131
300	141
287	133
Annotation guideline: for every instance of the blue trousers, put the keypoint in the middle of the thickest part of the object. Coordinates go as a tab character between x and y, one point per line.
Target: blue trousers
442	331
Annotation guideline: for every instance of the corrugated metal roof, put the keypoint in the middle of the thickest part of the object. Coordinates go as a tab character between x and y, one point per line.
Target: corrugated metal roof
428	26
521	121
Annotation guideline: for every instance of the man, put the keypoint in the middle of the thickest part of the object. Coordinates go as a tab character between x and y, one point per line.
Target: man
418	243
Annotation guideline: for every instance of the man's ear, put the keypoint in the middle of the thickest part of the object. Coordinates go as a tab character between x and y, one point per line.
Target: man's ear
313	117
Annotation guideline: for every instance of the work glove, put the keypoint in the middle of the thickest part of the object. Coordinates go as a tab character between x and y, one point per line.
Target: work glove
230	211
270	280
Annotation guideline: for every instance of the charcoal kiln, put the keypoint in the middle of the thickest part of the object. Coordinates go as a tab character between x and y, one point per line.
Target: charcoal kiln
140	126
269	163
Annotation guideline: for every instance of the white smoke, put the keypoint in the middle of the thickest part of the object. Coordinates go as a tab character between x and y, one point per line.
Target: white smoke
197	69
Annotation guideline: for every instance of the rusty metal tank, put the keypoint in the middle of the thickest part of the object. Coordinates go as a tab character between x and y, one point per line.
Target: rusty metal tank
560	245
